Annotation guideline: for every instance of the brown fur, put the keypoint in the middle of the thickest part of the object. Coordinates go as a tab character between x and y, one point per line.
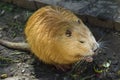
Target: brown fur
45	34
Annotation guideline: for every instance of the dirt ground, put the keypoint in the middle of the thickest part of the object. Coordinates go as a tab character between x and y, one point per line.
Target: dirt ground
20	65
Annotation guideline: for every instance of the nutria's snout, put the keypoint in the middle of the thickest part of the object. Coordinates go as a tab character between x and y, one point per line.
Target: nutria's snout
96	47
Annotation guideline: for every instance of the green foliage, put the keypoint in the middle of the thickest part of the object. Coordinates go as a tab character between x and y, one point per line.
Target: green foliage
5	61
6	7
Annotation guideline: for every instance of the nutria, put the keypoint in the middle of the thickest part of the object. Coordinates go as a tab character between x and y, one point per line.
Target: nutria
56	36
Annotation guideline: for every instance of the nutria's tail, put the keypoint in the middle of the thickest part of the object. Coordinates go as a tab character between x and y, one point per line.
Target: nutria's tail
15	45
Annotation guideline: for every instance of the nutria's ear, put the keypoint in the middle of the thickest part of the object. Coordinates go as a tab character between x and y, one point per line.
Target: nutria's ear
68	33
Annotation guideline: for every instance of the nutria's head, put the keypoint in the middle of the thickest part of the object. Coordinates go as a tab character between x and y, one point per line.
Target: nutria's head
56	35
75	41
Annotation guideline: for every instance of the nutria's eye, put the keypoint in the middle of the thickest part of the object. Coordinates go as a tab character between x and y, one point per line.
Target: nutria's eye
79	21
68	33
82	41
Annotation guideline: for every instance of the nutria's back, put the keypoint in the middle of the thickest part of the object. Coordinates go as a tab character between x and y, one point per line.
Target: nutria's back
56	36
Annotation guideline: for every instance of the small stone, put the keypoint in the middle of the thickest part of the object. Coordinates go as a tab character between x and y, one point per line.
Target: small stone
2	12
27	74
23	70
0	35
26	66
19	64
16	17
1	29
3	76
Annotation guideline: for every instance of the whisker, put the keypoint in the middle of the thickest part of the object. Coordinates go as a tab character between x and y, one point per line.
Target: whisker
101	39
105	47
104	44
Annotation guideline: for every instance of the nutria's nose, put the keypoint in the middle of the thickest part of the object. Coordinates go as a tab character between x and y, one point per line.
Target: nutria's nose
95	46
